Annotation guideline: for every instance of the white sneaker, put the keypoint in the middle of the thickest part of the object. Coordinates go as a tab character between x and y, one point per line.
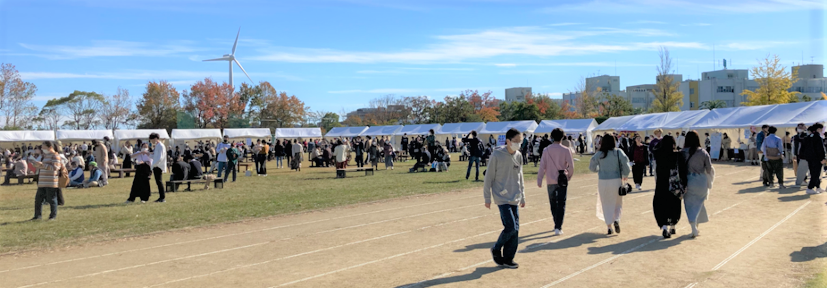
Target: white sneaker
558	232
811	192
819	190
638	187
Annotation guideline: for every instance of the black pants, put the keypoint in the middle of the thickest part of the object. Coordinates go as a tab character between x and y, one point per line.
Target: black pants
45	194
815	173
557	201
637	173
358	159
261	163
158	181
766	169
775	167
140	184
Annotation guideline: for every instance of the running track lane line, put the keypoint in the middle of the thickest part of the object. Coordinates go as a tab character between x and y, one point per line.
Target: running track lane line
759	237
400	255
601	263
231	235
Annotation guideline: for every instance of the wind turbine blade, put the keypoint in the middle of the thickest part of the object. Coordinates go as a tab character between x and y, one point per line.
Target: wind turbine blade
245	72
218	59
236	40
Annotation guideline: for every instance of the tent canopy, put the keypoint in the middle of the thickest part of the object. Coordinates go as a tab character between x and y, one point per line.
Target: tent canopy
613	123
460	128
382	130
420	129
70	135
195	134
667	120
526	126
298	133
234	133
570	126
346	131
21	136
121	135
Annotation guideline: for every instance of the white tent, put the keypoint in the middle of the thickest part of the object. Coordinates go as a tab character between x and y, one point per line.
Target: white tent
495	128
613	123
179	136
346	131
235	133
298	133
573	127
460	128
82	135
382	130
682	120
143	134
419	129
26	136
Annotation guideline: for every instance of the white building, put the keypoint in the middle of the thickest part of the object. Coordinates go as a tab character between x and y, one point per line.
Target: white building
606	83
811	81
725	85
517	94
641	96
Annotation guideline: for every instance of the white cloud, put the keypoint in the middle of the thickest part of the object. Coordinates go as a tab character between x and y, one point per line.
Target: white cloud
518	72
108	48
505	65
529	41
687	6
696	25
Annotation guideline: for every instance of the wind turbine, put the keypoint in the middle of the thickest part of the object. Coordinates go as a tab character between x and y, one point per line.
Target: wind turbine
231	58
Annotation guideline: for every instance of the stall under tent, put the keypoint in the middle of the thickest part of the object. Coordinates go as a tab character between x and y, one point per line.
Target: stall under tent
181	136
72	136
12	139
295	133
414	130
122	136
345	132
460	129
499	128
573	127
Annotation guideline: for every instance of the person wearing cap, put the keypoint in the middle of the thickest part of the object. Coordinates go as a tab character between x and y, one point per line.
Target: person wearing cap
76	175
95	175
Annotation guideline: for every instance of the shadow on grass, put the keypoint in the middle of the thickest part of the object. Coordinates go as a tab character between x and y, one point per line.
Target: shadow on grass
477	274
14	222
95	206
809	253
441	182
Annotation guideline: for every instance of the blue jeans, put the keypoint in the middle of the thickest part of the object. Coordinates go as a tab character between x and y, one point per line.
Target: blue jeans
471	160
278	161
221	168
511	229
557	201
230	167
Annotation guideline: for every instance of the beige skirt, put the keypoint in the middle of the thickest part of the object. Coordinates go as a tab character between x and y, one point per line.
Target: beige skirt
609	202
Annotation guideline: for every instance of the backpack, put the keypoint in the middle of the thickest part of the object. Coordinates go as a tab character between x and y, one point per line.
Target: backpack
676	185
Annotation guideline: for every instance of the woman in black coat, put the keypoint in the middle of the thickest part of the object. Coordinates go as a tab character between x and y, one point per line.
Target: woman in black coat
665	204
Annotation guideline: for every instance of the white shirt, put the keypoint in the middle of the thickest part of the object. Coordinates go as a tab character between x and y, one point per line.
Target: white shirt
84	147
159	157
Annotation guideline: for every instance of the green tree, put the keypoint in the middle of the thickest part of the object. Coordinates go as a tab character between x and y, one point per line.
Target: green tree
667	96
16	98
82	108
773	81
329	121
806	98
159	106
613	106
712	104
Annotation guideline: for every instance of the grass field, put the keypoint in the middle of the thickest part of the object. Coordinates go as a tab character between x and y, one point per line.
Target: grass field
97	214
819	281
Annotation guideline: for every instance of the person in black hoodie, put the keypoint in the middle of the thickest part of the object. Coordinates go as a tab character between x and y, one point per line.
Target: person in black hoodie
813	151
195	170
180	170
476	149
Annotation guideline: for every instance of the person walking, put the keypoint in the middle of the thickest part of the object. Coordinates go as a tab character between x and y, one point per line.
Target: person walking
48	186
359	149
127	151
143	172
557	166
475	146
612	168
752	155
640	156
279	151
667	206
699	177
800	166
388	150
657	135
504	183
231	155
101	156
773	150
159	164
813	151
341	154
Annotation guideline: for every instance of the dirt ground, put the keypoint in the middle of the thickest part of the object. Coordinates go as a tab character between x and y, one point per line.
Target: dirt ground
756	237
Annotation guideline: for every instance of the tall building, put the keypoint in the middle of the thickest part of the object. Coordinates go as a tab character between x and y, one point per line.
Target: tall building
811	81
517	94
725	85
606	83
642	96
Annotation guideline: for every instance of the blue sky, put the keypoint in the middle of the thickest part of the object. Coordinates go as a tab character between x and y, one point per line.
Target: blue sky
337	55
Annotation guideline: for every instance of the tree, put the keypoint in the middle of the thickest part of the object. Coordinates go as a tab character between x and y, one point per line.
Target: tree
158	106
282	110
807	98
81	107
15	98
49	118
586	104
214	104
613	106
117	110
418	108
773	81
329	121
713	104
667	96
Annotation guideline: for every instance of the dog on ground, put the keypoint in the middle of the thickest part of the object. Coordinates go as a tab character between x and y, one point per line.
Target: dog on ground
209	178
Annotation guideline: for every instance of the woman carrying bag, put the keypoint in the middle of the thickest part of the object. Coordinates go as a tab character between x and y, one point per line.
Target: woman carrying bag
667	201
612	168
699	178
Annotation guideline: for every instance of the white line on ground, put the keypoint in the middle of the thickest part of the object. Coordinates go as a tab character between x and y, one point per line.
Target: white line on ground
235	234
727	208
691	285
759	237
647	211
600	263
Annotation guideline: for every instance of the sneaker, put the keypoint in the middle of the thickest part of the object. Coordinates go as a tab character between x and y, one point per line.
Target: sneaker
610	232
161	201
819	190
812	192
34	219
666	234
637	186
511	265
782	187
142	201
672	231
558	232
498	258
617	227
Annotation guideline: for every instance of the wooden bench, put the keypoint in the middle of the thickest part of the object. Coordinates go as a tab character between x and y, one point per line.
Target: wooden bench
120	172
342	173
172	186
402	158
245	165
31	177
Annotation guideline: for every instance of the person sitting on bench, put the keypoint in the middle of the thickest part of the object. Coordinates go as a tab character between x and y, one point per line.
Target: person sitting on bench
180	170
423	161
195	170
21	168
76	175
316	157
94	176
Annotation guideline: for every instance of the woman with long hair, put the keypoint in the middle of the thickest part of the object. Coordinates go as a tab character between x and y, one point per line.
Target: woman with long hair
612	168
665	204
699	177
752	155
640	156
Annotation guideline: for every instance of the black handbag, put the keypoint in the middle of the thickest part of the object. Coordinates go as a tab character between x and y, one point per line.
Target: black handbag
625	188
